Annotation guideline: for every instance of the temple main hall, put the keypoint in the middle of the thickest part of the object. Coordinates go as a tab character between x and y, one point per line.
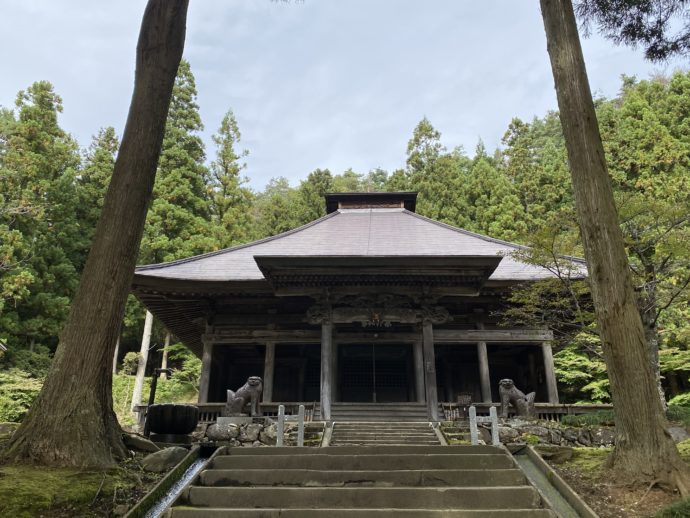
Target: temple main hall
372	304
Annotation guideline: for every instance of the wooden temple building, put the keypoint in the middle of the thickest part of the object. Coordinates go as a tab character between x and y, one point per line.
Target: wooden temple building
370	304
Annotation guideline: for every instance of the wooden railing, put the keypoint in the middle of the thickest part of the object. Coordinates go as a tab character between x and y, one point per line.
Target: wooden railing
545	411
208	412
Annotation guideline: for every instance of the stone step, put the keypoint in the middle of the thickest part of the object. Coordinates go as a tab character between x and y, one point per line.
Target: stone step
367	429
297	451
378	418
356	513
394	435
507	497
381	442
397	478
363	461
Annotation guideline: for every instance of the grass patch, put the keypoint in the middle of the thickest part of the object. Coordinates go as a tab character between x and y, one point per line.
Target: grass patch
27	491
679	414
680	509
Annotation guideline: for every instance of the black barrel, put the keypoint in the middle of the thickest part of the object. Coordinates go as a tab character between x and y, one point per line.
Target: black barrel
172	418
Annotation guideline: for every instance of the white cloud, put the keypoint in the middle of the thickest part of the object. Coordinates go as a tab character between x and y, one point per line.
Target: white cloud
322	83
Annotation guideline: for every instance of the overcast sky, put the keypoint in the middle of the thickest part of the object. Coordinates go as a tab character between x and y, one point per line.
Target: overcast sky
318	83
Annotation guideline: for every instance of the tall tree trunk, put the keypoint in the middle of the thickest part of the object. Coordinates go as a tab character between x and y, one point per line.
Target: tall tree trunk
644	450
72	422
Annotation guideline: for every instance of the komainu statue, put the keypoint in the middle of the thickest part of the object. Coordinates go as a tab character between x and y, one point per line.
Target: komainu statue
510	394
249	393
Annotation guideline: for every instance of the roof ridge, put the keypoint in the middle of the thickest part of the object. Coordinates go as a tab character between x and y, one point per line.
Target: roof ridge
157	266
485	238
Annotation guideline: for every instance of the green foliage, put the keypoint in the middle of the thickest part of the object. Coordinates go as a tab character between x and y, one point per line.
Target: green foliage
231	200
41	243
18	392
599	418
680	509
678	412
529	438
682	400
172	390
189	371
130	363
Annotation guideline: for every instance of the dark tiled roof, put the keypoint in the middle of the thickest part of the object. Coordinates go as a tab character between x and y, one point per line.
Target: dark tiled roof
354	232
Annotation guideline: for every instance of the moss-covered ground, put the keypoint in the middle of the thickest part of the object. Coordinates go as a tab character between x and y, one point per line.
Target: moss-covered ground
31	491
587	473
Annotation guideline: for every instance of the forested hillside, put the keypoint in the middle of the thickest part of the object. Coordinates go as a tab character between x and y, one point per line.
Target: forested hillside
51	191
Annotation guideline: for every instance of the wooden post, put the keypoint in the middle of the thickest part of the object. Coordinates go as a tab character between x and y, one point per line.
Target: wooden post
164	361
269	369
326	366
205	378
430	370
484	376
335	394
143	358
419	371
549	373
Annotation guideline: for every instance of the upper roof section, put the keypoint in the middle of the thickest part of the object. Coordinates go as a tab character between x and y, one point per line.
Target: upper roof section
371	200
352	233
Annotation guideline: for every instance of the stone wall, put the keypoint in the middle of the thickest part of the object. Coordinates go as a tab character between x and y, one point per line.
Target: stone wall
258	432
519	431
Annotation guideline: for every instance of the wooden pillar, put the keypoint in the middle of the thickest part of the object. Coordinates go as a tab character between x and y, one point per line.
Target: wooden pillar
326	368
205	378
484	377
419	371
115	354
549	373
164	361
430	370
269	369
335	395
143	358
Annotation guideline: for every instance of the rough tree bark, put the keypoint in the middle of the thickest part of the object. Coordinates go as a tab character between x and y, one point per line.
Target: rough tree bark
644	450
72	422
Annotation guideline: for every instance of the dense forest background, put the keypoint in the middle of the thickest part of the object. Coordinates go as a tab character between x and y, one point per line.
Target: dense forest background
51	192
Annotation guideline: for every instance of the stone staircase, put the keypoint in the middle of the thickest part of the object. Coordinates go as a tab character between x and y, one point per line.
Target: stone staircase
379	412
359	482
352	433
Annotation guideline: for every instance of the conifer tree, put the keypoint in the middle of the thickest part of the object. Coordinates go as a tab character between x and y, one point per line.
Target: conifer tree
94	178
39	164
231	199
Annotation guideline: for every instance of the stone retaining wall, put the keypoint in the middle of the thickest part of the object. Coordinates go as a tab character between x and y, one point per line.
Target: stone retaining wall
519	431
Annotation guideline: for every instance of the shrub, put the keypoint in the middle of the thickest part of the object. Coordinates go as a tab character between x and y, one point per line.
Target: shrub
680	509
18	392
34	363
130	363
680	400
679	413
599	418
